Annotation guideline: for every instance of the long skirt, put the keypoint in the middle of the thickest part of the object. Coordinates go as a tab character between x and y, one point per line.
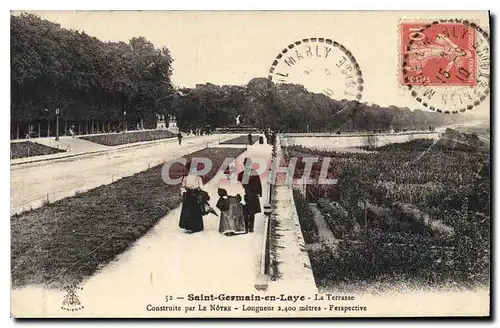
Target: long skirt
191	218
253	203
232	221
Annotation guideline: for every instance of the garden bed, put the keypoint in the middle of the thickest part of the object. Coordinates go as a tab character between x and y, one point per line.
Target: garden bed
30	149
70	239
241	140
115	139
406	213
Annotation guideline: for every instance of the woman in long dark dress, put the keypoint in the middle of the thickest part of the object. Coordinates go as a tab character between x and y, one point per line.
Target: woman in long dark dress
253	191
191	215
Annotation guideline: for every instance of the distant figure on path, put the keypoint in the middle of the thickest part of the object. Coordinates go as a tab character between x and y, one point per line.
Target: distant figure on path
267	133
179	137
250	180
72	131
191	214
238	120
249	137
273	138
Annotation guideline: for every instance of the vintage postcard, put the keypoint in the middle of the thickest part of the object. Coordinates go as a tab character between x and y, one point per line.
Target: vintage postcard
191	164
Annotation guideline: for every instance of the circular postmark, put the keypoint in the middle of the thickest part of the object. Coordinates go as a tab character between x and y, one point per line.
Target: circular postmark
322	66
445	64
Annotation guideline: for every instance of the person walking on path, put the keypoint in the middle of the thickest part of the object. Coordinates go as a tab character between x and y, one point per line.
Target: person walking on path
232	219
273	138
191	218
251	182
249	137
267	133
179	137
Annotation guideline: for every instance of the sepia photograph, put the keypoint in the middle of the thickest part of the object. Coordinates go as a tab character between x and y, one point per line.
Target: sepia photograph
250	164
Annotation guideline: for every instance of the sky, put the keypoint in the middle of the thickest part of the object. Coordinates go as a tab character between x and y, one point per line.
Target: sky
234	47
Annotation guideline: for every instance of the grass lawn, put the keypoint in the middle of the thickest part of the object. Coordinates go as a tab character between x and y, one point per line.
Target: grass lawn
29	149
241	140
70	239
114	139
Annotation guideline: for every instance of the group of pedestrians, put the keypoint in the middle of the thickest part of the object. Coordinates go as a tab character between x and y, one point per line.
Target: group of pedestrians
238	201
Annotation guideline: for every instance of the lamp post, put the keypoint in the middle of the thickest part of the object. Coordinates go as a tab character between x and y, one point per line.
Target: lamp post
57	124
124	121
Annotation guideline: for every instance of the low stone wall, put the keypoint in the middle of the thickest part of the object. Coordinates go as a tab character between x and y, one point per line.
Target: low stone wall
353	134
350	141
294	266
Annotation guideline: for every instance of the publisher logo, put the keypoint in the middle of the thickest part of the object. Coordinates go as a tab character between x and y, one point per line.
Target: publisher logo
71	301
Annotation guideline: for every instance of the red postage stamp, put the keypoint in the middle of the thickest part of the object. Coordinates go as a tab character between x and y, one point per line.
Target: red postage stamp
437	54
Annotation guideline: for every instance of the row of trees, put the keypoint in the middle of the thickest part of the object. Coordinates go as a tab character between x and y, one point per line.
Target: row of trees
85	78
290	107
94	83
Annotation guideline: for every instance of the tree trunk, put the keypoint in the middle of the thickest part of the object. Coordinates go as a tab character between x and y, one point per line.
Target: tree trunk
79	128
366	220
142	123
38	129
109	126
64	132
48	128
92	127
17	130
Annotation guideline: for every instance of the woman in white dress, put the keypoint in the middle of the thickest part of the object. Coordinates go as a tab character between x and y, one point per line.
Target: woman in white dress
230	204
